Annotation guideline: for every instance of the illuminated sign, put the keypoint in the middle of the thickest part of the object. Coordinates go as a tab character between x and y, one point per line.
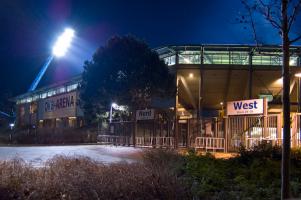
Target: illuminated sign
64	105
59	103
245	107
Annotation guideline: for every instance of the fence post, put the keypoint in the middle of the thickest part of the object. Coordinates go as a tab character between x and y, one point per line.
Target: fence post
265	117
226	134
176	132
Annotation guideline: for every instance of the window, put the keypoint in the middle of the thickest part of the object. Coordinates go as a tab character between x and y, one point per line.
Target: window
43	95
267	59
293	61
29	99
72	87
60	90
189	57
35	97
239	58
51	93
170	60
216	57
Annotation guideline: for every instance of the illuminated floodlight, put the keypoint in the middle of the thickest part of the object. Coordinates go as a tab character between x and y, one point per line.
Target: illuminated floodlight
63	43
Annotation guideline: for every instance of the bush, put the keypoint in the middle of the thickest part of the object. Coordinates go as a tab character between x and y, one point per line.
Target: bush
83	178
254	174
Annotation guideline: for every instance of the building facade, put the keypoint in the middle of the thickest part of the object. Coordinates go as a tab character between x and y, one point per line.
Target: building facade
208	77
54	106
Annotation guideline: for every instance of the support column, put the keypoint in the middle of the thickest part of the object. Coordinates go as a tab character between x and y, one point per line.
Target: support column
250	75
176	131
299	94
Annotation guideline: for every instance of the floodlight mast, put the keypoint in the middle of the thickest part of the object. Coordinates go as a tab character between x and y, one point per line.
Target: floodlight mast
59	49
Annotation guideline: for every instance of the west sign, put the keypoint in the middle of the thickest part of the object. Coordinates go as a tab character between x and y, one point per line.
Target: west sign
245	107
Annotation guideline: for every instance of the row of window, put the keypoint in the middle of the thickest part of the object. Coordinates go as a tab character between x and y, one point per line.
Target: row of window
49	93
228	57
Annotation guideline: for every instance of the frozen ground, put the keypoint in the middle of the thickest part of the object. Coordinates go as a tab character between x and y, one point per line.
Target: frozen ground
37	155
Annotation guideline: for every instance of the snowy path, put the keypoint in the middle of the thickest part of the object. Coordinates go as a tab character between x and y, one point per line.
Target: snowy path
37	155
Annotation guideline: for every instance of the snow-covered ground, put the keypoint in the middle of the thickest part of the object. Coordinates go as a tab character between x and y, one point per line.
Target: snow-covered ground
37	155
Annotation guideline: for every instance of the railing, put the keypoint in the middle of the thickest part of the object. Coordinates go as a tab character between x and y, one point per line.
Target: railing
210	143
113	139
155	141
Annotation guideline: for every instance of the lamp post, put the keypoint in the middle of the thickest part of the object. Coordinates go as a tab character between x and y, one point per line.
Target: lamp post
59	49
113	105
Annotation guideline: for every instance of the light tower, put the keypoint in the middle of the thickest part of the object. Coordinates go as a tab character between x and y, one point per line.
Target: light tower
59	49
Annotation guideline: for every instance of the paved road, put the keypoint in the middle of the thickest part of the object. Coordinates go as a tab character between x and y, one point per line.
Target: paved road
37	155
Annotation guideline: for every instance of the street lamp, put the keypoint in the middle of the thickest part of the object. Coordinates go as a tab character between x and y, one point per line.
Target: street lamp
113	105
59	49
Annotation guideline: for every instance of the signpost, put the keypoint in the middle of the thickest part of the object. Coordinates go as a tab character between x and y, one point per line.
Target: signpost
146	114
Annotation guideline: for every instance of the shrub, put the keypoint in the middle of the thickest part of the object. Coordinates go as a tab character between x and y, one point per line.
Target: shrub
82	178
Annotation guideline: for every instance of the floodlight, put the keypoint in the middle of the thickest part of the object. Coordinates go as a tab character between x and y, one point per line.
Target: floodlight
63	43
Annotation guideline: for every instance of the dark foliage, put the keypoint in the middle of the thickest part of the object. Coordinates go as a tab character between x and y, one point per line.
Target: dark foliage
125	71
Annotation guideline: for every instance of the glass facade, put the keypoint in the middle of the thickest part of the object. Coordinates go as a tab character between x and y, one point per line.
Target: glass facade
49	93
189	57
170	60
228	55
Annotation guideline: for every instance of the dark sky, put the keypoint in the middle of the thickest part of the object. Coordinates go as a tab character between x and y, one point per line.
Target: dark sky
30	27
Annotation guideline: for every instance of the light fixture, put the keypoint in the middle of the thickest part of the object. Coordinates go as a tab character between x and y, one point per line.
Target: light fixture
191	75
63	43
298	75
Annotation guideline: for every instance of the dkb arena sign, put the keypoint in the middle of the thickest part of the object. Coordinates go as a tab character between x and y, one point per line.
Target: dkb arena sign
58	106
245	107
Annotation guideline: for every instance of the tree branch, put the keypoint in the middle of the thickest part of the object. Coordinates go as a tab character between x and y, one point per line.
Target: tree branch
252	22
295	40
294	14
266	12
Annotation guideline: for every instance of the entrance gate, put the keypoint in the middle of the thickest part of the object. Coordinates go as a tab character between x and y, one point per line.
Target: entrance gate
249	131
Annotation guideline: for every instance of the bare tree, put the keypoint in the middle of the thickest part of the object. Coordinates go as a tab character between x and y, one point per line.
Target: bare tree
282	15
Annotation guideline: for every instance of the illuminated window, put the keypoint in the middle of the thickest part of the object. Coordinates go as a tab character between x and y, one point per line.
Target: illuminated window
29	99
189	57
61	90
171	60
72	87
35	97
268	58
43	95
293	61
239	58
51	93
216	57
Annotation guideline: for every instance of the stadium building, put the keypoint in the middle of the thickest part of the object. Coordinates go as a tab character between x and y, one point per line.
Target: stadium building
210	78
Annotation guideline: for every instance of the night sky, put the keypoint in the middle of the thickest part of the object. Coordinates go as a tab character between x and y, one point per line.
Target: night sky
29	28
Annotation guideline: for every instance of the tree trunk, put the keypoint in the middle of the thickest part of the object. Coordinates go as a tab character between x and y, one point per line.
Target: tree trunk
286	105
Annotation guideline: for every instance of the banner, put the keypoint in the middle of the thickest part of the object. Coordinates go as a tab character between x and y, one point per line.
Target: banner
58	106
